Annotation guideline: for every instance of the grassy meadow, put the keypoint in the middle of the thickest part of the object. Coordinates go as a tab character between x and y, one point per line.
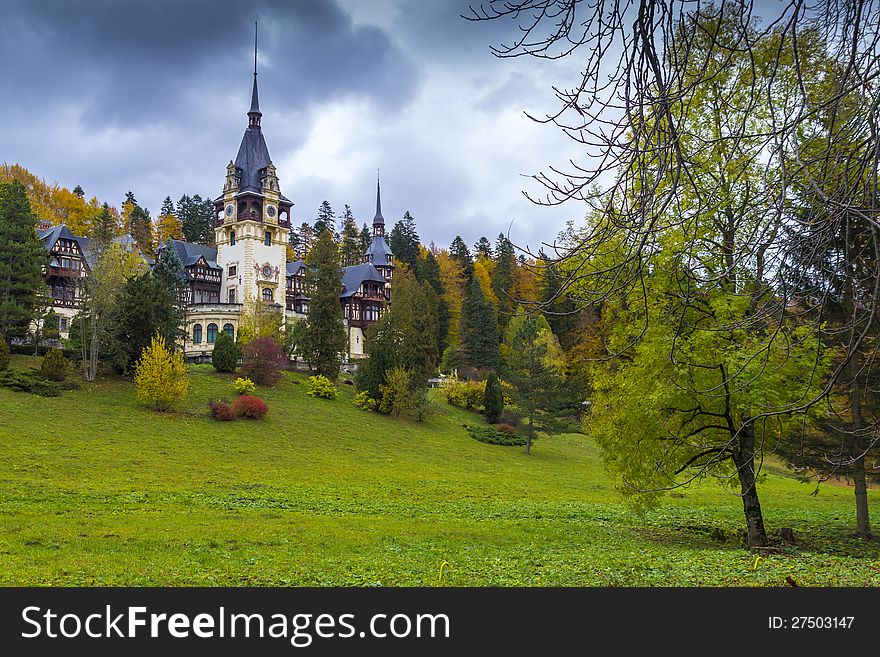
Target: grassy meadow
96	490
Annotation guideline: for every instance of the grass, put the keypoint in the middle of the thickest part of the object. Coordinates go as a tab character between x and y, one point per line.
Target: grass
96	490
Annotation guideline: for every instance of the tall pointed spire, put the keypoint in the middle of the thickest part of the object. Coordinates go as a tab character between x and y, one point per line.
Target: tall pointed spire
254	113
378	220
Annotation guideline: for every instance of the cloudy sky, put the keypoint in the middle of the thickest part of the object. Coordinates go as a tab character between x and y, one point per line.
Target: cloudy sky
152	97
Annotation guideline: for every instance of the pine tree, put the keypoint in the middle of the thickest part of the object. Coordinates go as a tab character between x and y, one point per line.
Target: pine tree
169	273
22	258
503	276
143	309
105	227
197	219
479	330
305	237
404	242
536	383
429	272
326	220
366	240
558	308
483	248
493	399
167	207
350	238
325	337
79	191
462	256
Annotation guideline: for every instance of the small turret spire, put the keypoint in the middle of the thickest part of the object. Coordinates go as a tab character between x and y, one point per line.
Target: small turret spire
378	220
254	113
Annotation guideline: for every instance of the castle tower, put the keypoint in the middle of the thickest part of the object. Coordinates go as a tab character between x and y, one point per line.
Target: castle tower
379	253
252	219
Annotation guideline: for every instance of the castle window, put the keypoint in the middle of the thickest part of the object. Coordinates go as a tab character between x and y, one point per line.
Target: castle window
267	294
212	333
267	240
197	334
231	238
62	325
233	270
229	330
232	295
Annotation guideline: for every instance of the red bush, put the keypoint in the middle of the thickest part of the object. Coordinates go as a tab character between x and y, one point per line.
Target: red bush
222	411
263	361
503	427
250	407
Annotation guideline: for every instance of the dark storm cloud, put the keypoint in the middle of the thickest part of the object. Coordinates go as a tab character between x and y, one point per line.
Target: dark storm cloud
156	62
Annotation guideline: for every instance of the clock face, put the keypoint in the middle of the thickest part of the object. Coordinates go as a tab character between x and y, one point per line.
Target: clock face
229	210
270	210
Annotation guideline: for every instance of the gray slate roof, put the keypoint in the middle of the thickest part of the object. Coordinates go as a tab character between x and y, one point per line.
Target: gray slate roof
354	276
294	267
190	252
379	251
51	235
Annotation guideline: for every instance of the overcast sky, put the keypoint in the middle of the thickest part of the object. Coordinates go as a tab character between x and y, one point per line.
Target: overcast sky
152	97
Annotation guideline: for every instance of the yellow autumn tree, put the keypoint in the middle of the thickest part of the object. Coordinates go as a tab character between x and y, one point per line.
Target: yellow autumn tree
168	227
483	273
161	376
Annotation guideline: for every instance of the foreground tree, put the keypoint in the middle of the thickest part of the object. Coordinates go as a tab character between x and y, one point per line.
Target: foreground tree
225	354
493	399
160	376
325	337
264	361
479	330
22	258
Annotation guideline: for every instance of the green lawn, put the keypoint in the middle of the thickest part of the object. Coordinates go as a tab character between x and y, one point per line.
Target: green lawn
95	490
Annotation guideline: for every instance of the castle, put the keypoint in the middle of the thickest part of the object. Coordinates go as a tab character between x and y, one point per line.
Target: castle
247	265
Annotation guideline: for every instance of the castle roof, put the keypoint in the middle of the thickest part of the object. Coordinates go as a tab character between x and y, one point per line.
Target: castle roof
353	277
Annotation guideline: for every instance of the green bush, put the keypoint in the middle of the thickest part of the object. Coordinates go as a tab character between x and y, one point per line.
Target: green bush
31	381
321	386
363	401
4	355
492	436
244	386
225	356
54	366
493	399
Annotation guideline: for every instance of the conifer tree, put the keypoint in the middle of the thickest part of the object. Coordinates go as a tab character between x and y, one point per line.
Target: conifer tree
503	277
326	220
493	399
22	258
404	242
226	353
366	239
479	330
325	337
351	253
483	248
429	272
462	256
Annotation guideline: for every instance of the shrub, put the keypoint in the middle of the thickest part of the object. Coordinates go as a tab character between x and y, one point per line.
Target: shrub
221	411
161	376
4	355
252	408
493	399
503	427
244	386
225	356
321	386
363	401
54	366
29	382
396	392
465	394
512	417
263	361
492	436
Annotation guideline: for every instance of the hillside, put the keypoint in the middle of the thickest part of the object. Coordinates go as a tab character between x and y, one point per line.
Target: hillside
96	490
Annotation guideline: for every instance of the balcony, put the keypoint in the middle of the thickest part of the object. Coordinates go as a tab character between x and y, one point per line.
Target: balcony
64	272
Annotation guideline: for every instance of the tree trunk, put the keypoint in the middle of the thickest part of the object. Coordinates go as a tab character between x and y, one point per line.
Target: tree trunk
744	459
529	436
863	520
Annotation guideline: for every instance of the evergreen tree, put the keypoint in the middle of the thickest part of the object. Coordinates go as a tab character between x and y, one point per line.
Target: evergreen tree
79	191
141	228
226	353
305	237
493	399
536	384
483	248
366	240
429	272
350	238
169	273
197	219
503	277
105	227
325	337
404	242
22	258
479	330
462	256
557	306
326	220
144	308
167	207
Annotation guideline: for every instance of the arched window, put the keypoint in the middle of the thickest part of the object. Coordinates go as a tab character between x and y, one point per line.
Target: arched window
229	330
212	333
231	238
267	240
197	334
267	294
